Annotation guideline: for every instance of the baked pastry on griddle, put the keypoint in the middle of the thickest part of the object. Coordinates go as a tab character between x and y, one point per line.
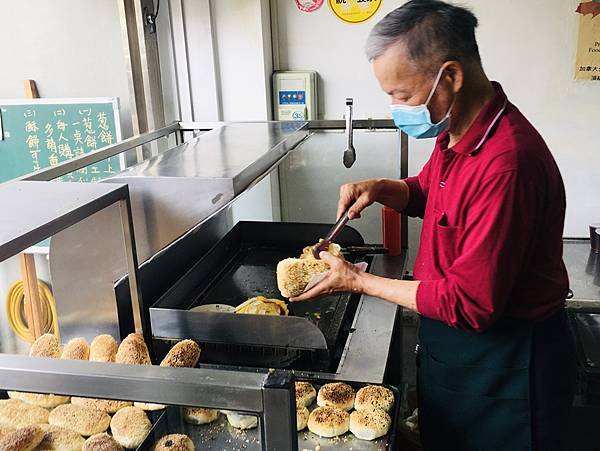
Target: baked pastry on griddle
174	442
334	249
23	439
16	414
109	406
130	426
39	399
260	305
101	442
305	394
103	349
336	394
76	349
184	354
199	415
328	421
5	430
57	438
85	421
374	397
133	351
370	424
45	346
302	415
240	420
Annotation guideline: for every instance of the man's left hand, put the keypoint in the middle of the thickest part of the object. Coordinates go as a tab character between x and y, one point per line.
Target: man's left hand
342	277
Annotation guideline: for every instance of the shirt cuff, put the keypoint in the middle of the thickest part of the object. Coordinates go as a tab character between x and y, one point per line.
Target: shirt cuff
427	300
416	198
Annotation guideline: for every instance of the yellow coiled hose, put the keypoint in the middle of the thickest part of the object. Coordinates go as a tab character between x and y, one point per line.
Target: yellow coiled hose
15	308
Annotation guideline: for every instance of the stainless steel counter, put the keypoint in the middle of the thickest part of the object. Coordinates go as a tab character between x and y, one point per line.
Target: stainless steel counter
369	346
583	266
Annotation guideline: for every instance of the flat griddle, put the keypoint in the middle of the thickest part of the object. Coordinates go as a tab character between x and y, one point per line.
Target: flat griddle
243	265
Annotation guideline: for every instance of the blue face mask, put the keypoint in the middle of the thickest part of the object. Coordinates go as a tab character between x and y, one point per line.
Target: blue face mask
415	121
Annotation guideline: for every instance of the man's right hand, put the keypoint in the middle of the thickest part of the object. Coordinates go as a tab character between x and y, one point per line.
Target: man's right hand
357	196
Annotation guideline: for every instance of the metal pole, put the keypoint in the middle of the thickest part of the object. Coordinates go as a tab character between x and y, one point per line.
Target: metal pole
87	159
279	429
132	267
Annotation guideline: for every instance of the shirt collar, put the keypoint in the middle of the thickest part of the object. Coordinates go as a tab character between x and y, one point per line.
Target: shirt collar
481	128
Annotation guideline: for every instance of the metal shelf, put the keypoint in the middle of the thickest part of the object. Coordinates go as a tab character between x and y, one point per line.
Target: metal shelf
54	207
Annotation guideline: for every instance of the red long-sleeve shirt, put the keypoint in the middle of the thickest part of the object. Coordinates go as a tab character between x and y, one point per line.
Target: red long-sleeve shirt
493	209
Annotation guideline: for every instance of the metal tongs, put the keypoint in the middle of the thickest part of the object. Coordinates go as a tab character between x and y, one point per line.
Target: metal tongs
349	153
332	235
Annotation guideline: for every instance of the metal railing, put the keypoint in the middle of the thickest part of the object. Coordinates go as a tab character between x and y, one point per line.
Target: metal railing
179	128
268	394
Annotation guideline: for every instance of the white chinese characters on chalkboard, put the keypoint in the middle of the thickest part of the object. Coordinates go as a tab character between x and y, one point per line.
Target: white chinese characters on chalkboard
42	133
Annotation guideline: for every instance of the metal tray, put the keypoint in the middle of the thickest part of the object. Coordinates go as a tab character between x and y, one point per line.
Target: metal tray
219	435
586	332
243	265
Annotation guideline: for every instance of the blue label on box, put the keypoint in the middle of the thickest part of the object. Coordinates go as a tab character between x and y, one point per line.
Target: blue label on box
292	97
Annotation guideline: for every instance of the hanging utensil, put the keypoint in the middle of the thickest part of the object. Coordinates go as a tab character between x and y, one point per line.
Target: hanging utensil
349	153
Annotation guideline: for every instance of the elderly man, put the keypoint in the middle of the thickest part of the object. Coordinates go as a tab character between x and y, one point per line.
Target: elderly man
495	359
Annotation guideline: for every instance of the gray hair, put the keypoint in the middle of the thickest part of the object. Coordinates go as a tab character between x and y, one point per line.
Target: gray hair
433	31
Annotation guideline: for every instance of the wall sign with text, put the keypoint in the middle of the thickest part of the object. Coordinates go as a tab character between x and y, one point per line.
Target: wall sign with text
308	6
587	66
354	11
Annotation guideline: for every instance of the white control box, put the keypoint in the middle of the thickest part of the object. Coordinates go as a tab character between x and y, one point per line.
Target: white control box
295	95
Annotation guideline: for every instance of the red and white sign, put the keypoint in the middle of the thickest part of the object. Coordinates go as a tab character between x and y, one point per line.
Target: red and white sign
308	6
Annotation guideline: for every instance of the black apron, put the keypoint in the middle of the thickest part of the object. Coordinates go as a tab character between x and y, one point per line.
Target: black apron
508	388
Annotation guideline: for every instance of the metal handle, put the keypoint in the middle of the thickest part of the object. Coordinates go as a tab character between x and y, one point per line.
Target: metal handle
337	228
332	235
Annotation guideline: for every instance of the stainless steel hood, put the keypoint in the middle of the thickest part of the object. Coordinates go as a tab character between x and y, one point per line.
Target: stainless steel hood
237	153
171	194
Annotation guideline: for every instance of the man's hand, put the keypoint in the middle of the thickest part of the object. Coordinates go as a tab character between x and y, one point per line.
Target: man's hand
342	277
358	196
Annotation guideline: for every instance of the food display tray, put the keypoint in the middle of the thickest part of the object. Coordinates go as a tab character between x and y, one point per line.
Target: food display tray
220	435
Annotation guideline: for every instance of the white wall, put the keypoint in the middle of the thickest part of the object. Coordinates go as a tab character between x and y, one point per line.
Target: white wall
69	47
243	42
529	46
242	33
216	54
216	65
535	61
